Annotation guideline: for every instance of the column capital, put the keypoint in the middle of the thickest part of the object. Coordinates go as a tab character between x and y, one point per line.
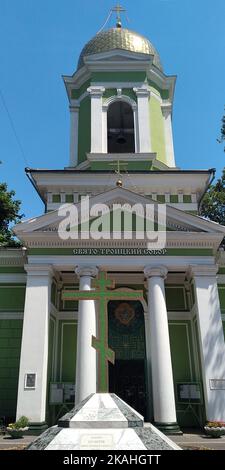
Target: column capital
90	271
96	91
203	270
39	269
142	92
155	271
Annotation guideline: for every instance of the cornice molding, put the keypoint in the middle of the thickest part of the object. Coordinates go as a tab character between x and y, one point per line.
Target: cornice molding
203	270
39	270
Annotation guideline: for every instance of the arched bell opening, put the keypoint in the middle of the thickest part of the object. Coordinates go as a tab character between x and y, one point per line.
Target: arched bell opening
120	128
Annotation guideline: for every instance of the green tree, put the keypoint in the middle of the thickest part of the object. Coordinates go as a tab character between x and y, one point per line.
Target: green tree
9	213
222	132
213	204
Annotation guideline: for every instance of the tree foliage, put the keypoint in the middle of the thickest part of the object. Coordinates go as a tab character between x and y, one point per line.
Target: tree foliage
222	132
213	205
9	213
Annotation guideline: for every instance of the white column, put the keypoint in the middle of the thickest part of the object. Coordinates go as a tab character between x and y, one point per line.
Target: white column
144	127
86	370
96	119
211	340
74	123
31	402
168	133
162	375
104	130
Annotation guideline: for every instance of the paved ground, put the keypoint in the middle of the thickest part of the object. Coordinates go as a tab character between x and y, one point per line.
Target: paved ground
197	440
191	439
7	443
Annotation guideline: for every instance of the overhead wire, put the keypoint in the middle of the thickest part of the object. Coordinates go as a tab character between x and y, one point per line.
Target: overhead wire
13	127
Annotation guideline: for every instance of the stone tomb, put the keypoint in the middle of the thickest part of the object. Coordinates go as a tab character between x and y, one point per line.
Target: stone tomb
102	422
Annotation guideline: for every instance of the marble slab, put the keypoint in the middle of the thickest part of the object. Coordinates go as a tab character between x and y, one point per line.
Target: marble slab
91	439
102	422
100	411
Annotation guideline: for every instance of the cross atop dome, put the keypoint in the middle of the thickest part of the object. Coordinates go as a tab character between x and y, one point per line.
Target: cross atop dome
118	9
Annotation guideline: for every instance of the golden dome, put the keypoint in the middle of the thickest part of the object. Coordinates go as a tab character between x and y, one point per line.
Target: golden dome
119	38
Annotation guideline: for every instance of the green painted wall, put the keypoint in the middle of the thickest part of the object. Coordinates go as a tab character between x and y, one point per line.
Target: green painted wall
10	343
84	129
76	93
221	290
170	251
118	77
67	341
176	298
131	166
184	366
157	129
12	297
12	269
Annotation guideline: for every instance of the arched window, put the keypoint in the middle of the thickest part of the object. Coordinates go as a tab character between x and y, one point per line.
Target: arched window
120	125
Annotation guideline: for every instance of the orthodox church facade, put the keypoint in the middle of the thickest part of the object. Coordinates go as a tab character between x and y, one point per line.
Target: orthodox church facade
167	342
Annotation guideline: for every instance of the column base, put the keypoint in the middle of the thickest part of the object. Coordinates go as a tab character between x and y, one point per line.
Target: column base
168	428
36	428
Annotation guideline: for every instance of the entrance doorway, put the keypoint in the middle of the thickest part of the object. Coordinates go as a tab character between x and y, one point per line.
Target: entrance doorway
127	377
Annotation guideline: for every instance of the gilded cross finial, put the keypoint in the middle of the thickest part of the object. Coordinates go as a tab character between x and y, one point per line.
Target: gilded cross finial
117	165
118	9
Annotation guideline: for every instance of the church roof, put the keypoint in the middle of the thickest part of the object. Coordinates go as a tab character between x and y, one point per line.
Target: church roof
119	38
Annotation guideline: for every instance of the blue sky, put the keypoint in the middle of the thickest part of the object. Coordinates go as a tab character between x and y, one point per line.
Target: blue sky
41	40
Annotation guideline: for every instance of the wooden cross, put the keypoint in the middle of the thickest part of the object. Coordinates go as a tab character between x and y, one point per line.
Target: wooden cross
100	343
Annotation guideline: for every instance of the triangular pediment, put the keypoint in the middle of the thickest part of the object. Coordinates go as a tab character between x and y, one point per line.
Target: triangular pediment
176	220
118	55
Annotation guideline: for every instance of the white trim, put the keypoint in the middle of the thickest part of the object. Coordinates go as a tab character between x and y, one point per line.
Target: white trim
130	263
179	315
13	278
112	99
66	315
195	339
144	124
56	348
53	346
114	157
168	135
96	118
11	315
74	124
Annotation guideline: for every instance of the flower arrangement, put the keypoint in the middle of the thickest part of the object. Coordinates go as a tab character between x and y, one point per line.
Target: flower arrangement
215	428
17	429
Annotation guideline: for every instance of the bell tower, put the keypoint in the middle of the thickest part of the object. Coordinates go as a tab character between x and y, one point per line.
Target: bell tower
120	103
